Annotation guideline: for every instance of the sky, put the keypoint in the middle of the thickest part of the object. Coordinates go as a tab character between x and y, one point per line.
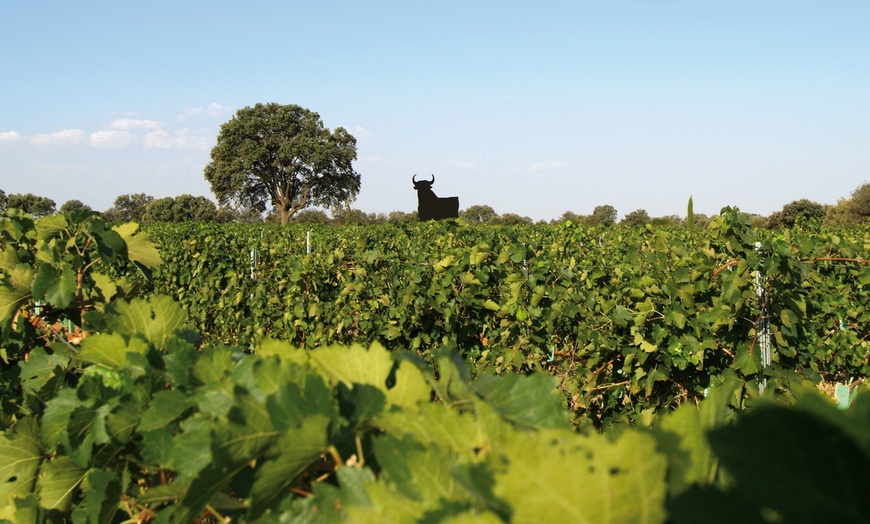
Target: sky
533	108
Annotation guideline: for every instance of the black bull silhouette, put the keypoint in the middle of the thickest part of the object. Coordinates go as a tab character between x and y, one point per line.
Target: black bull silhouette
429	205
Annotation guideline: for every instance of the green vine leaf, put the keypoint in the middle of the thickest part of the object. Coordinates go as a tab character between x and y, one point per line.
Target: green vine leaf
355	365
58	481
619	481
56	286
20	458
156	319
15	291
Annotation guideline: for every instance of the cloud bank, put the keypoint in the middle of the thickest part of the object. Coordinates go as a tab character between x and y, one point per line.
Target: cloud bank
10	136
67	136
135	132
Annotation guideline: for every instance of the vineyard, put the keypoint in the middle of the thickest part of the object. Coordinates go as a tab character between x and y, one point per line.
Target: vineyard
434	372
627	319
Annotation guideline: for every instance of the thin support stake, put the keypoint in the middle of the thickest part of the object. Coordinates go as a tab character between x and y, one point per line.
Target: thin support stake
763	328
254	262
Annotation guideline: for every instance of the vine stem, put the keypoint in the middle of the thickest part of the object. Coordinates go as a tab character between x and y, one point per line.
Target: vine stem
723	267
607	386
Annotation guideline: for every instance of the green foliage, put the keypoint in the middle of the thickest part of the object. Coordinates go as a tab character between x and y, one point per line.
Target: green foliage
128	208
628	319
690	215
139	424
183	208
793	212
604	215
170	432
281	156
72	206
479	214
638	217
803	463
56	270
860	202
139	421
35	205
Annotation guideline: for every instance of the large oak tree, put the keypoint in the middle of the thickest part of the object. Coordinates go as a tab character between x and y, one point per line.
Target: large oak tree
283	156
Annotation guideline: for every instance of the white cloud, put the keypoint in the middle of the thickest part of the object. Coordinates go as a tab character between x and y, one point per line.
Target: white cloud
213	109
183	139
67	136
110	139
540	167
9	136
131	123
362	133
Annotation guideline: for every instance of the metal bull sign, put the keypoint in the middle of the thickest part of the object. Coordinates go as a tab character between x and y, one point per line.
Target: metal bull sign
429	205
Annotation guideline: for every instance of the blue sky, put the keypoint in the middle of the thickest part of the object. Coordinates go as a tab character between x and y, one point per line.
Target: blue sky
534	108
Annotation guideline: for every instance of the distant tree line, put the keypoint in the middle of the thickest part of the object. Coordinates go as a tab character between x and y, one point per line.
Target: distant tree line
188	208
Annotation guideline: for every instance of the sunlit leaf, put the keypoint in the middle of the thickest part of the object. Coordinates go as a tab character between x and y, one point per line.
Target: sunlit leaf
355	364
608	481
156	318
59	479
20	457
15	291
139	248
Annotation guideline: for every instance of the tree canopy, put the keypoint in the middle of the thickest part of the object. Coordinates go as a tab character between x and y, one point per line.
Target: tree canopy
282	156
36	205
803	209
638	217
479	214
71	206
183	208
604	215
128	207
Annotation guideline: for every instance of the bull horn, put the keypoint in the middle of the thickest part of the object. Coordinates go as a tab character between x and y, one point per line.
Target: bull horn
414	179
433	178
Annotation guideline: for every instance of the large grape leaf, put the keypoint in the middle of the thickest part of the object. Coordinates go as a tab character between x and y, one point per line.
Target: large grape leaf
410	386
355	365
242	437
796	464
20	456
109	243
56	417
156	319
86	430
330	503
166	406
40	368
292	453
682	436
531	401
50	226
385	506
422	473
157	446
56	286
139	249
102	492
111	350
8	260
434	424
191	448
292	404
58	481
15	290
558	476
